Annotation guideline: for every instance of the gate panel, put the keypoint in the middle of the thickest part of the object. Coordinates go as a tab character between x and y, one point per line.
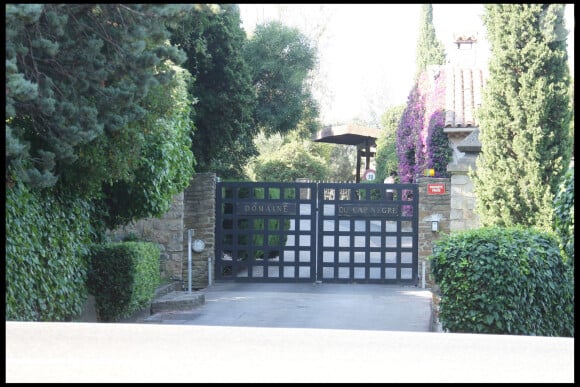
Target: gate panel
266	231
368	233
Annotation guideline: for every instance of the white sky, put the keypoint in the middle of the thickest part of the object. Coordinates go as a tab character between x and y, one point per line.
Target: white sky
367	54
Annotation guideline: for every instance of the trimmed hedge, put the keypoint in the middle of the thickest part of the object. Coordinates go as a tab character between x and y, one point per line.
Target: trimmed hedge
123	277
503	281
46	266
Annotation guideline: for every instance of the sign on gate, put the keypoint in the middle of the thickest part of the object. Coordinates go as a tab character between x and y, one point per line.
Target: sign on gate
370	209
258	208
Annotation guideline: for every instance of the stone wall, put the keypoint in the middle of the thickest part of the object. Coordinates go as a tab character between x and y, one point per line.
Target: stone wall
166	231
199	215
192	209
432	207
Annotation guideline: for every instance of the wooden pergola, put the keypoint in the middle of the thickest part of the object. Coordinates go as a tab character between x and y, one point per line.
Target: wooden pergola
364	138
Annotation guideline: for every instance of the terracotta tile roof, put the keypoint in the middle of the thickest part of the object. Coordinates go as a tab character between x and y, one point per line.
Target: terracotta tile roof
463	92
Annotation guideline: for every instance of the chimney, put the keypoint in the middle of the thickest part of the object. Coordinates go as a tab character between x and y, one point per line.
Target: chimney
465	54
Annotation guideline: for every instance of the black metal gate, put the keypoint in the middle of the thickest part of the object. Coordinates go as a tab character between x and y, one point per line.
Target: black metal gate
329	232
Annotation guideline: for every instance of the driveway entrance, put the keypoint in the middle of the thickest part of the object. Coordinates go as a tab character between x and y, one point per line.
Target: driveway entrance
324	232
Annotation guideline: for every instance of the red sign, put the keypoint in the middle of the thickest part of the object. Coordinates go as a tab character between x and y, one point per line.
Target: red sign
435	189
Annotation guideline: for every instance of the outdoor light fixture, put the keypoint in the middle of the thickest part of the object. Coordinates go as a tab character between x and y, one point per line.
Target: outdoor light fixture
198	245
429	172
435	226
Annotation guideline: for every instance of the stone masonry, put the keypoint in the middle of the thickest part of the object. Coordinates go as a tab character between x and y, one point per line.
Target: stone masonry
166	231
199	216
432	207
192	209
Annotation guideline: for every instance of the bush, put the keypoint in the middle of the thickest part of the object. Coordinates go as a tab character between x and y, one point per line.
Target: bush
46	265
503	281
123	277
564	216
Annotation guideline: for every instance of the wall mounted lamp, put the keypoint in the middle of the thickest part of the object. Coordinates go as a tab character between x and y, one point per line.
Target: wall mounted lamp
435	225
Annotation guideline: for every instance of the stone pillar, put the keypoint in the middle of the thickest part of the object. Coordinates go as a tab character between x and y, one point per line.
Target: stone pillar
462	216
199	215
433	206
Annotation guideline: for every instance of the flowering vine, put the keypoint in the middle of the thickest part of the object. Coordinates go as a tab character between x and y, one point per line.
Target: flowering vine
408	131
421	142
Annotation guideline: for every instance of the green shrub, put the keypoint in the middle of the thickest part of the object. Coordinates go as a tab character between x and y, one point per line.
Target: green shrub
503	281
123	277
564	215
46	267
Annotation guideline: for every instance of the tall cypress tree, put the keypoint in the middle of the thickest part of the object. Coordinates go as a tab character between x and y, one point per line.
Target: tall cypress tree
525	115
430	50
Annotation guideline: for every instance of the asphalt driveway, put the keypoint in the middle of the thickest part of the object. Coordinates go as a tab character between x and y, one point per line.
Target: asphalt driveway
309	305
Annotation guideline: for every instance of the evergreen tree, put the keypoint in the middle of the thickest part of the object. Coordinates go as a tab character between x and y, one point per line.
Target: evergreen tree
387	160
430	50
281	59
524	118
223	114
293	160
77	74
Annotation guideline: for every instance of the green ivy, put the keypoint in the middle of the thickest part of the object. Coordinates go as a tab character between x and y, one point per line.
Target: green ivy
503	281
46	266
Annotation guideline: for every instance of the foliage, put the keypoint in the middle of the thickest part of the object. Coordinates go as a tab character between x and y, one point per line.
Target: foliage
421	141
341	162
386	158
223	88
439	153
166	162
572	116
76	77
430	50
564	215
123	277
280	59
524	117
410	126
292	161
503	281
46	266
436	150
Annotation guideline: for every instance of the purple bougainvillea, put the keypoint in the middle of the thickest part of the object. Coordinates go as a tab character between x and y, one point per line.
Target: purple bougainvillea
421	142
408	131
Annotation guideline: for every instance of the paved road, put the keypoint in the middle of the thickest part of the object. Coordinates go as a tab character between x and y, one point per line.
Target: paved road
39	352
268	333
310	305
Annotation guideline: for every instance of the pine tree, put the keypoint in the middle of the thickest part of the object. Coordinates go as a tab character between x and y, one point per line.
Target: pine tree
76	76
524	118
430	50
